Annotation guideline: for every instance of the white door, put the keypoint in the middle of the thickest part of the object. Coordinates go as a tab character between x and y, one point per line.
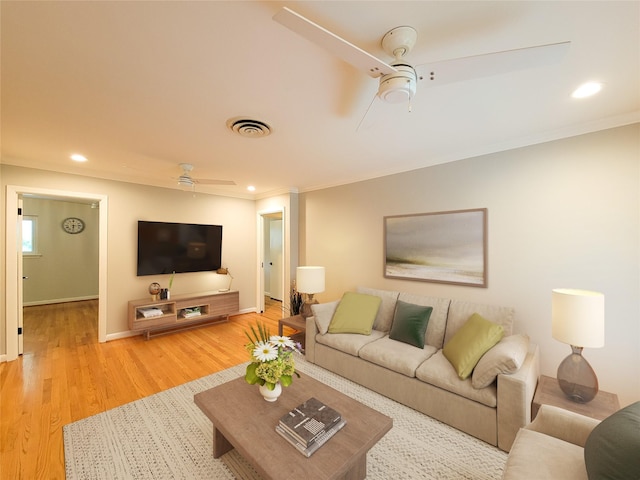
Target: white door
20	279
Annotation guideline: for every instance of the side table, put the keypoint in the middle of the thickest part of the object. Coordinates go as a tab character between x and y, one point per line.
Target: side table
298	323
549	392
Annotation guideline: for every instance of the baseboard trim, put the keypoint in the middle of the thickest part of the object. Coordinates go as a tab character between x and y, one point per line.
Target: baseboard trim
59	300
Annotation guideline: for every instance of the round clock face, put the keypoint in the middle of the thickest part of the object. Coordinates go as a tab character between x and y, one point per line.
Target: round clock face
73	225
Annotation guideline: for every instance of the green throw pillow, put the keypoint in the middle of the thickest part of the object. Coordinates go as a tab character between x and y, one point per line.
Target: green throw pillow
612	450
470	343
410	323
355	313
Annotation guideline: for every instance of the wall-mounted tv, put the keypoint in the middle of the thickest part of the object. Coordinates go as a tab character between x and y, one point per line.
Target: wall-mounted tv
165	247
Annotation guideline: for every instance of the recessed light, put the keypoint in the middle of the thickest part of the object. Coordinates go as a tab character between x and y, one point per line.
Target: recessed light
587	89
76	157
251	188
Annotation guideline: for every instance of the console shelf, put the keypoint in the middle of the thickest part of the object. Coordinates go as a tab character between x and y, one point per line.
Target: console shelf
156	317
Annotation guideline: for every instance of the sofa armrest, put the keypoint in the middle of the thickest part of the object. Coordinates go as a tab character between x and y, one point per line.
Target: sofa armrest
310	339
515	394
563	424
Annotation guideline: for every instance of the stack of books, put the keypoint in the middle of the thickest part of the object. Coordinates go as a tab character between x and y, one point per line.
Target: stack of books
308	426
191	312
149	312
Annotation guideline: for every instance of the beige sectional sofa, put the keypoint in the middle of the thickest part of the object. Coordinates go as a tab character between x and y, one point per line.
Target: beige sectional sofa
423	378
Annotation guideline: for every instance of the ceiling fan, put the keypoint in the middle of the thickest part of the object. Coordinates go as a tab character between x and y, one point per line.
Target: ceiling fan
187	181
398	79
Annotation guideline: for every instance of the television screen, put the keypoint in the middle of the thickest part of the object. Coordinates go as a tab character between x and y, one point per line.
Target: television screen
178	247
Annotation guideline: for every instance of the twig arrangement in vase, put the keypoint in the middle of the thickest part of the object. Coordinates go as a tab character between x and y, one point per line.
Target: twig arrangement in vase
296	300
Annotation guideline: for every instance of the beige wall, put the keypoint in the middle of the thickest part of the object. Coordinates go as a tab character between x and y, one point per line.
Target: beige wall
560	214
128	203
66	266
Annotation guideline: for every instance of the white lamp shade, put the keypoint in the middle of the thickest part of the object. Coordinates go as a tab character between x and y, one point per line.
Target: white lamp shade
577	317
310	279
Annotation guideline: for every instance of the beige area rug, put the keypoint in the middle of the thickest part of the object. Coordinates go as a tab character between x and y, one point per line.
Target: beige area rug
166	436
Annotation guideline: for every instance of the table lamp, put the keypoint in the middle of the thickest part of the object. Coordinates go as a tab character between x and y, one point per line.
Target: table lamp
225	271
577	318
310	280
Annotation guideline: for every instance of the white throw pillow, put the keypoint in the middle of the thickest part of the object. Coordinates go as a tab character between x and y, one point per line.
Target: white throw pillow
323	313
506	356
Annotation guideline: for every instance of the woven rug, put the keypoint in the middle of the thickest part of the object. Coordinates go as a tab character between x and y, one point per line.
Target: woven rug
166	436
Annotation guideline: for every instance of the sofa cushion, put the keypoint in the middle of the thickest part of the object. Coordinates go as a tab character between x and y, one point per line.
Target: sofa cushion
323	313
612	450
397	356
460	311
437	371
536	455
350	343
504	357
355	313
387	307
470	343
438	318
410	323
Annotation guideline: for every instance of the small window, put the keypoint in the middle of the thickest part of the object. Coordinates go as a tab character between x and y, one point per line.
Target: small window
29	235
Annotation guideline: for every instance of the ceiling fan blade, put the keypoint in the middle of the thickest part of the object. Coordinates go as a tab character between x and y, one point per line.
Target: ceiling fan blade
348	52
213	182
478	66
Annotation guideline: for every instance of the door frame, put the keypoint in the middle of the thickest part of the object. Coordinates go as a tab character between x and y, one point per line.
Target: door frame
13	303
261	257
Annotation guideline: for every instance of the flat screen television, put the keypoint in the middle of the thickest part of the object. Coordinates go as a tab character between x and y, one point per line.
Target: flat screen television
165	247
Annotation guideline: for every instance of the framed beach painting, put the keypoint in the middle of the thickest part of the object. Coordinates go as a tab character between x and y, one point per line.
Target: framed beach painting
442	247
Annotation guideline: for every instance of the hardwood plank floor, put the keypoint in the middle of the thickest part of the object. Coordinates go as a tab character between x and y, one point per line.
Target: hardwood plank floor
66	375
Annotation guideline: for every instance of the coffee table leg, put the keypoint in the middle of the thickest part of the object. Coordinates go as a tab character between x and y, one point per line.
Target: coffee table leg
220	444
359	469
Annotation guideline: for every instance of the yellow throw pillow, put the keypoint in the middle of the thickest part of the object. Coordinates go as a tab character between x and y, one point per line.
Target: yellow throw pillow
355	313
470	343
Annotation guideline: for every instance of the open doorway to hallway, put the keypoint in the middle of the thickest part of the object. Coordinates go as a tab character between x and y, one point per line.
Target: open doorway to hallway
14	261
61	263
272	258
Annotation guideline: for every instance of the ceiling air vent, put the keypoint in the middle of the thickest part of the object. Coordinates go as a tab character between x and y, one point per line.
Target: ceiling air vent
249	128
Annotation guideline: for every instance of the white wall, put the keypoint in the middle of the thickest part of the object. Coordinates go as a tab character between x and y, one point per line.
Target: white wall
560	214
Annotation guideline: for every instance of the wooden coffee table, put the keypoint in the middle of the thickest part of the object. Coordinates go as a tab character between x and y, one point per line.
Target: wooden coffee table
243	420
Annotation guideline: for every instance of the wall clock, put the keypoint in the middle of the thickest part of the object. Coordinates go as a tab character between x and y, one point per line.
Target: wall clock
73	225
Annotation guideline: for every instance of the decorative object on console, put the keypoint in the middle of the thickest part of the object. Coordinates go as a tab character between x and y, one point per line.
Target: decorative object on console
441	247
225	271
272	364
154	290
310	280
577	319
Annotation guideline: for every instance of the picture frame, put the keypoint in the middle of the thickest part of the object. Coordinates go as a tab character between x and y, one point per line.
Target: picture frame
441	247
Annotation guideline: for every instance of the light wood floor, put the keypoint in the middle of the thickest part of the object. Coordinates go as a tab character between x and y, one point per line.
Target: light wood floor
65	375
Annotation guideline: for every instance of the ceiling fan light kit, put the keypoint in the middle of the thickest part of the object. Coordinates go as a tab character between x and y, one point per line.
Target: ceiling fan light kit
398	87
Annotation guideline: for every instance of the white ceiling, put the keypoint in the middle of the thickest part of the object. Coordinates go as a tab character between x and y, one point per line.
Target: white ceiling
139	87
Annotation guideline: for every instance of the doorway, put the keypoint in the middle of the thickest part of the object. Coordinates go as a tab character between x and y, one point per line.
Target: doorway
272	248
13	259
59	261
